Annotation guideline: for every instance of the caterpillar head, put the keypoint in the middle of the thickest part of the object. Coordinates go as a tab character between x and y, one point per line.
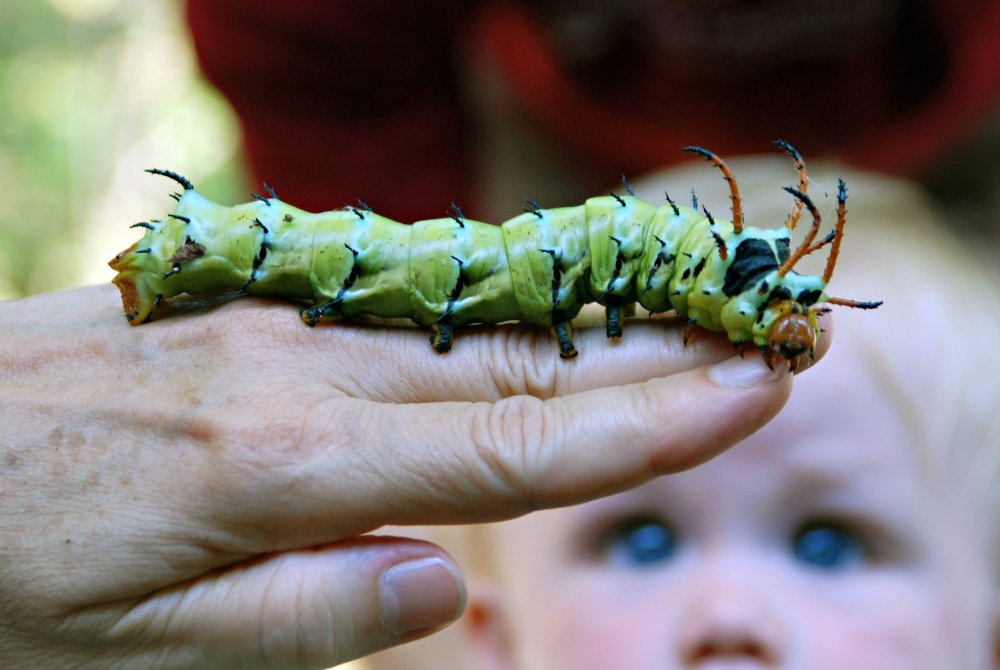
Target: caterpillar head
793	333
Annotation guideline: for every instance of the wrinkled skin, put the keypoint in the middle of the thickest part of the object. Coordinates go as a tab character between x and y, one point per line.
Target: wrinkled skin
194	493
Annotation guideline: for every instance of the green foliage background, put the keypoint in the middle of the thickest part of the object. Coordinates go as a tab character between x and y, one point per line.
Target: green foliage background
91	93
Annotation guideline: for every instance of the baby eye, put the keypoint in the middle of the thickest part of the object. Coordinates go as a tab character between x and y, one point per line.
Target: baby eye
641	542
828	547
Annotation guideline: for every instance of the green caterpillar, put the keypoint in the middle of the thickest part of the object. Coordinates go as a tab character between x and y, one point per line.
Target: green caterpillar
540	267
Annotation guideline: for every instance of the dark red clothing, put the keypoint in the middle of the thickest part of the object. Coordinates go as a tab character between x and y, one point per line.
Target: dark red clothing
360	98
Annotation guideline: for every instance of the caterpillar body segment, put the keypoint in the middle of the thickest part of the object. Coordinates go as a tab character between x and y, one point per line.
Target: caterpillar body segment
540	267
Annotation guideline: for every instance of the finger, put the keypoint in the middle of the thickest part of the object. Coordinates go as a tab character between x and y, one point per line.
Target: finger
395	363
303	609
489	363
367	464
521	453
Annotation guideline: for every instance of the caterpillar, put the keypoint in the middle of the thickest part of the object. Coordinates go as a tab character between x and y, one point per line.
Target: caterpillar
539	267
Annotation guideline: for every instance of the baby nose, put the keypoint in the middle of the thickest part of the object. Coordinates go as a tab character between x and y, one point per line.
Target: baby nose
731	625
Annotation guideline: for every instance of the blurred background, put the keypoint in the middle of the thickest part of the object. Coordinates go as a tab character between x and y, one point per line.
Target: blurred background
92	92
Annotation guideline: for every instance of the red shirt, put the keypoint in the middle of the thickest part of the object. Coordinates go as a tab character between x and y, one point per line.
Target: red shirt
360	98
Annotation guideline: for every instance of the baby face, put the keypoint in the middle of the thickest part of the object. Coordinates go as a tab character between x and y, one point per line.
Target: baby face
827	540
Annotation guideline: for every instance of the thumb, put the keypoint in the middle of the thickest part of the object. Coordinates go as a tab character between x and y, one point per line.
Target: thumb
311	608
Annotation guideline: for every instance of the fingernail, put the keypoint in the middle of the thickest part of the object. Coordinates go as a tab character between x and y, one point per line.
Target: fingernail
422	593
744	372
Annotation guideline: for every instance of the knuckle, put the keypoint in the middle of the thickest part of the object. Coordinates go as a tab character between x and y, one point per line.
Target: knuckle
272	439
524	361
511	441
296	621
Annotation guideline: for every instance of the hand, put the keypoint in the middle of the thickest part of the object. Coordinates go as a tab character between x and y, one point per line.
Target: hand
195	492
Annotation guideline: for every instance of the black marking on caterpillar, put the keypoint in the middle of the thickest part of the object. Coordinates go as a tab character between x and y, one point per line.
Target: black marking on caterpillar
673	205
173	175
456	214
540	267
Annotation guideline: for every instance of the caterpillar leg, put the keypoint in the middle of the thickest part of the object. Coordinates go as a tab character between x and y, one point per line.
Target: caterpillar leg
691	330
564	333
328	311
613	316
441	339
772	358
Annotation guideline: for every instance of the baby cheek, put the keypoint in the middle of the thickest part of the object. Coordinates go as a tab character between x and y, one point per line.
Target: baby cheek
594	628
902	628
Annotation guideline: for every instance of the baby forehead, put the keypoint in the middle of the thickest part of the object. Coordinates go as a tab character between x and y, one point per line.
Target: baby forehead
829	437
817	461
875	405
837	419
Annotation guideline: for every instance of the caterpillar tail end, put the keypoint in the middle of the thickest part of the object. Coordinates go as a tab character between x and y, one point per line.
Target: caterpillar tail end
139	297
